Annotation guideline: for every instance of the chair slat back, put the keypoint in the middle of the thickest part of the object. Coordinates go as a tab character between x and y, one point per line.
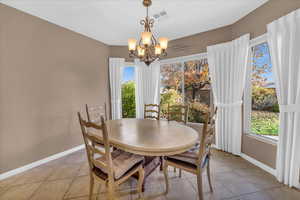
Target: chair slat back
207	137
93	143
95	112
178	113
152	111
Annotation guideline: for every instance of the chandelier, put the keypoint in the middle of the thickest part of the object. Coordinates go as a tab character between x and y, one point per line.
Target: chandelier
148	49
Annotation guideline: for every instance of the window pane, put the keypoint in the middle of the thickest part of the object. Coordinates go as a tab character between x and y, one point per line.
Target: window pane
171	85
128	93
265	108
197	91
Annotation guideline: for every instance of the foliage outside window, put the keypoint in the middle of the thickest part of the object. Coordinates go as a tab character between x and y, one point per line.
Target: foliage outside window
171	86
186	83
265	108
197	89
128	93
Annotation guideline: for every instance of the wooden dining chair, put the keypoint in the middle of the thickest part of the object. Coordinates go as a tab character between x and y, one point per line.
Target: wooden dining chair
178	113
94	113
197	159
152	111
109	168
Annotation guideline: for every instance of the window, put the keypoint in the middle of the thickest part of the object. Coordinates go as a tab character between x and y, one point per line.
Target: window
264	108
186	81
197	88
171	85
128	93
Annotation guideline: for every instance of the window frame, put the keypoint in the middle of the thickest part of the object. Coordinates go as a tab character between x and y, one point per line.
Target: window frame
247	98
182	60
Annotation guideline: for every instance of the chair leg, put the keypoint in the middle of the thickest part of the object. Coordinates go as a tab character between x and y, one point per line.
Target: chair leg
199	183
166	177
111	191
180	173
91	186
174	169
161	163
209	176
141	181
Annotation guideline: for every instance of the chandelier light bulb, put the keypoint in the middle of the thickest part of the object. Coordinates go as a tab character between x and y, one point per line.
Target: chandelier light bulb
131	44
141	51
157	49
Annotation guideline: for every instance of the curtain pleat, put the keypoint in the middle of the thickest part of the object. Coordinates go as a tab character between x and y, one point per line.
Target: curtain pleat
284	39
115	78
228	64
147	85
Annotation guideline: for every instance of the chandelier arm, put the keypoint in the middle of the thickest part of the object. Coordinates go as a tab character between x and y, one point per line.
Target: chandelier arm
164	53
142	22
151	23
153	41
133	54
140	43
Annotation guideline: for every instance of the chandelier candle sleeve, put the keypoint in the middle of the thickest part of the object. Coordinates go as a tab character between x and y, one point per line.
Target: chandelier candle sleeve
132	44
146	38
163	43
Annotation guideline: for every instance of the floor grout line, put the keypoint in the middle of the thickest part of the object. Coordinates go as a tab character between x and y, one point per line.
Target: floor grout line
189	180
44	181
253	192
67	190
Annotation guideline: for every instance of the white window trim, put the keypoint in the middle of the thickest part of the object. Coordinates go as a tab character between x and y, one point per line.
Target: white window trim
248	90
129	64
258	40
183	59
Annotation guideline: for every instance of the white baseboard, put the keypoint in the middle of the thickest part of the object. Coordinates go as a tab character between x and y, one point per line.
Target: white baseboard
40	162
259	164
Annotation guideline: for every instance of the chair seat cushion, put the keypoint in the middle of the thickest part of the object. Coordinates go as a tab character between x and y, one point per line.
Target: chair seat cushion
122	162
190	156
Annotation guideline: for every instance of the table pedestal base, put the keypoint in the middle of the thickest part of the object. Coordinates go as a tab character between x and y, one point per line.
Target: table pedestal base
151	163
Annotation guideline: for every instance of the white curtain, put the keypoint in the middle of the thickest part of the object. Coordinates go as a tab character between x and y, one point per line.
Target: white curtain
284	41
227	65
115	77
147	80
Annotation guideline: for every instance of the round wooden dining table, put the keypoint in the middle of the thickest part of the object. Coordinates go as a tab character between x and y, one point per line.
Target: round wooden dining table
151	137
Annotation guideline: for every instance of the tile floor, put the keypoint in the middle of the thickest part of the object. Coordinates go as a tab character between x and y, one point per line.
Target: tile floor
67	178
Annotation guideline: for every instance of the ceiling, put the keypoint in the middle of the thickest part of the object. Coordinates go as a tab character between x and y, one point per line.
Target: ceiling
114	21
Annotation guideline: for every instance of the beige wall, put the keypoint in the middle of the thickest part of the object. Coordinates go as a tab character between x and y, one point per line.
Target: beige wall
46	74
261	149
